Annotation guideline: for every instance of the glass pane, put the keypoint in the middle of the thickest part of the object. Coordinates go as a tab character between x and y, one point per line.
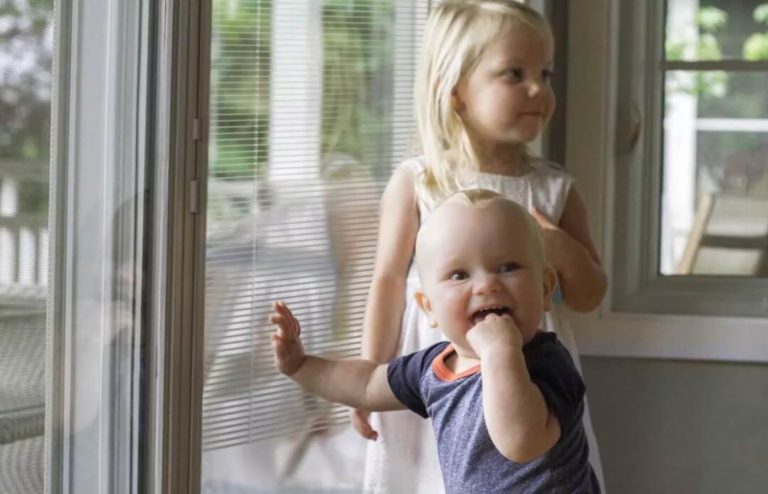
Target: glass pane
716	29
715	175
310	106
26	30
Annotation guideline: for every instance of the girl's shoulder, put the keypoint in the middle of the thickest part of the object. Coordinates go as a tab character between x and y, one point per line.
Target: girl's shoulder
550	185
549	169
416	165
550	175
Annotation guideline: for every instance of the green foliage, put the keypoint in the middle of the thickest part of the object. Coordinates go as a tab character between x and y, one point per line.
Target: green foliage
761	14
710	21
357	49
357	69
240	68
25	98
756	45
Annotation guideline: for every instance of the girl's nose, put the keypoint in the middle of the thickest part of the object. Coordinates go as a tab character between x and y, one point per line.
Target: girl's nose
534	88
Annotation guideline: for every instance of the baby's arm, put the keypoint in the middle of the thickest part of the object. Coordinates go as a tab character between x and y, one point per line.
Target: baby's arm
570	249
353	382
518	420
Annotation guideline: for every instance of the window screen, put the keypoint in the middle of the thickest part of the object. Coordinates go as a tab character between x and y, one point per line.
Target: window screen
311	104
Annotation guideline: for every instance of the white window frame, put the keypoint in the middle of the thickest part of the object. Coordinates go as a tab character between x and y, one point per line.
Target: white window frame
99	160
637	318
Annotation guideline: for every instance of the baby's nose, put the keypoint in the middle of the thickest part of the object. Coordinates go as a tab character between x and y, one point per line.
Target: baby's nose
487	283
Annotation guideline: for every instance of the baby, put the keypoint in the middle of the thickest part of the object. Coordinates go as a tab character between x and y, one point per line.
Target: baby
505	399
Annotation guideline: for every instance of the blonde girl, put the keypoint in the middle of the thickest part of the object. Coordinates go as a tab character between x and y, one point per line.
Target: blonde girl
483	95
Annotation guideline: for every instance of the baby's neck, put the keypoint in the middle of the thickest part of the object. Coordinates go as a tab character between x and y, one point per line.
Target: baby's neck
458	363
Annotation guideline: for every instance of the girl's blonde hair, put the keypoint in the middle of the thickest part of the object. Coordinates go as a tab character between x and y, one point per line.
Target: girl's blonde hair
455	36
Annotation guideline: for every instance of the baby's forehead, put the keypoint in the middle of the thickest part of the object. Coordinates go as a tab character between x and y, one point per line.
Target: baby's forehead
454	216
460	206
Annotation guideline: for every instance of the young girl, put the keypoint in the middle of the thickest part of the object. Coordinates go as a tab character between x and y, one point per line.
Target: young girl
483	94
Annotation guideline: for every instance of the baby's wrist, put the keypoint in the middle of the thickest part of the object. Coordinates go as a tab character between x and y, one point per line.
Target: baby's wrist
501	351
294	373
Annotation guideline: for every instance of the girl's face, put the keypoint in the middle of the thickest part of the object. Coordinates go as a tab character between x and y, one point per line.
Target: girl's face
507	99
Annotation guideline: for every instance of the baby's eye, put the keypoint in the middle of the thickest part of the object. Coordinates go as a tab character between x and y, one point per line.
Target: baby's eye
515	74
547	75
509	267
459	275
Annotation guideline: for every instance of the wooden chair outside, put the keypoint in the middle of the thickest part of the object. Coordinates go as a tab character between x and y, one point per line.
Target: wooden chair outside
735	226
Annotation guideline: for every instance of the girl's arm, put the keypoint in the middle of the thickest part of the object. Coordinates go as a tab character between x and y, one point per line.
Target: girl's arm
570	249
398	227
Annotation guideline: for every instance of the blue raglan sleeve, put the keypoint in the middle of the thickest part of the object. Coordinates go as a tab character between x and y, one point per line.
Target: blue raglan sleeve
405	377
552	369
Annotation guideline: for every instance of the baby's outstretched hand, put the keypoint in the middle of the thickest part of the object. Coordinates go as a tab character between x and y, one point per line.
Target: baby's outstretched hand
286	342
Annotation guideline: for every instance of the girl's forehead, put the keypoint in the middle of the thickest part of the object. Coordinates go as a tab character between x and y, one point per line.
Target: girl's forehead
520	38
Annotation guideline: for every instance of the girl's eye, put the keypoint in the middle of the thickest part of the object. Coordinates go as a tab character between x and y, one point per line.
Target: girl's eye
515	75
546	75
459	275
509	267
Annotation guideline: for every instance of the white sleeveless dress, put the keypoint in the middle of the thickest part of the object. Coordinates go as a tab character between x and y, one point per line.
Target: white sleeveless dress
404	458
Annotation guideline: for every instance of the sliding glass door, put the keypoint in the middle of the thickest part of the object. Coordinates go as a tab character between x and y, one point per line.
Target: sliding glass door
310	106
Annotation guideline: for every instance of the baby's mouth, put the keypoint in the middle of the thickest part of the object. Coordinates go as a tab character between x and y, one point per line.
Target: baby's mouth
479	315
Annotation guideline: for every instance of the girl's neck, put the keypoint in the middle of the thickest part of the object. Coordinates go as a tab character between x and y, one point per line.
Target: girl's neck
506	159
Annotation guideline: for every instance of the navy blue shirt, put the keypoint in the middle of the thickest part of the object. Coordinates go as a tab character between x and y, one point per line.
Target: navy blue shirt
469	461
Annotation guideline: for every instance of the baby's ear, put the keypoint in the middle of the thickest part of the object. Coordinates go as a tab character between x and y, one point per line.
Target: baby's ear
426	305
549	281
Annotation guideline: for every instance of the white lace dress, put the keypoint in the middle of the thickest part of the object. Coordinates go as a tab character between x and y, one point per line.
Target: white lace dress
404	458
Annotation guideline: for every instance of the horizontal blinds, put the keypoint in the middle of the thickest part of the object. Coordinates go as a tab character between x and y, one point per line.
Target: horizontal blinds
311	103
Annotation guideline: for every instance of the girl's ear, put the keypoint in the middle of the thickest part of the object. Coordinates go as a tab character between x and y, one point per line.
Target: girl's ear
549	281
426	305
457	101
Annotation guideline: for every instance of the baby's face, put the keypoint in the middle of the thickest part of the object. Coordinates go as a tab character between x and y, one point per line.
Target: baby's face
476	261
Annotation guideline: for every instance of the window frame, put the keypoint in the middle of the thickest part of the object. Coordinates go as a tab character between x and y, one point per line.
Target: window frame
99	166
644	314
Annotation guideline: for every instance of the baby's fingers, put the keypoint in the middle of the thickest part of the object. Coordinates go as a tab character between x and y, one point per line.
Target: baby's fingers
287	325
542	220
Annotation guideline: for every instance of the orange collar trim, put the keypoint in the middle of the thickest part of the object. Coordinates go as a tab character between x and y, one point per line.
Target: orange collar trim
444	373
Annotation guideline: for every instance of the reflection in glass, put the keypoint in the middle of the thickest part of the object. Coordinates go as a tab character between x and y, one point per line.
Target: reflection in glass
26	32
715	196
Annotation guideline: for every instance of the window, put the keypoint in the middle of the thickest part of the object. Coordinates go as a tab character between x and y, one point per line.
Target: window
715	178
692	113
616	141
310	106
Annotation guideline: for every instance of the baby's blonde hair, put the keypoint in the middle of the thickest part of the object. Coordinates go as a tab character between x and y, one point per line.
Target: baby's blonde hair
455	36
480	199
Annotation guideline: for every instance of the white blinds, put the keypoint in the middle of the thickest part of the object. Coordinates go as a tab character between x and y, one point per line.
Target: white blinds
311	104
